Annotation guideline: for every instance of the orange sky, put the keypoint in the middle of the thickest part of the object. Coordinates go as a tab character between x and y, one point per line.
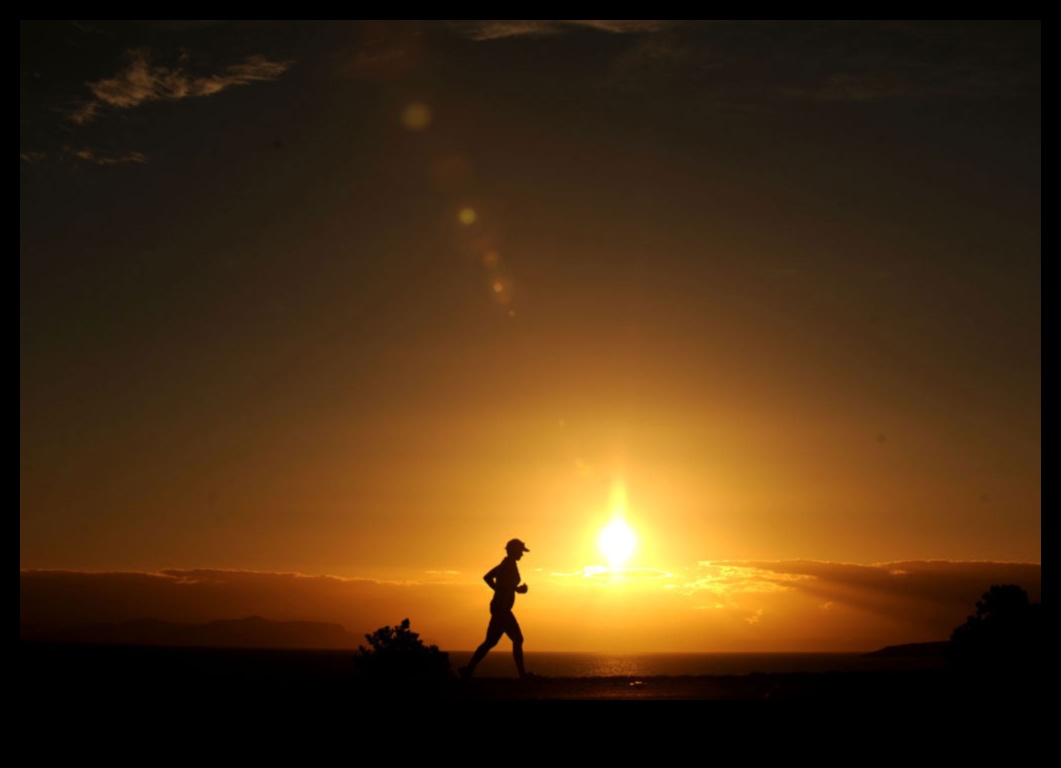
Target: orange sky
366	300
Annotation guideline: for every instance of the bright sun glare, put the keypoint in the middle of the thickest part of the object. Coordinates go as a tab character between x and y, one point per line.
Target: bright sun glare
617	542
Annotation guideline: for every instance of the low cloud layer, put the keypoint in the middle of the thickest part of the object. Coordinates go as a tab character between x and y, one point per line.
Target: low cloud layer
925	599
729	606
143	81
70	598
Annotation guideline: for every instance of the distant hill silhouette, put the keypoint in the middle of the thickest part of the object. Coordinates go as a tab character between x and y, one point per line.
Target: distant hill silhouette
934	650
252	632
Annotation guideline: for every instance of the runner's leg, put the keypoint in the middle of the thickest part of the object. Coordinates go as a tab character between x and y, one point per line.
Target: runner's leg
513	631
493	635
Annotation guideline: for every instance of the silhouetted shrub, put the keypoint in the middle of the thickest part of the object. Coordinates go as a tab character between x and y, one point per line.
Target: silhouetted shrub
398	654
1005	633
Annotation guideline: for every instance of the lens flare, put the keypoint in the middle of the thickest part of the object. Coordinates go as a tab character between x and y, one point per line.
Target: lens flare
416	116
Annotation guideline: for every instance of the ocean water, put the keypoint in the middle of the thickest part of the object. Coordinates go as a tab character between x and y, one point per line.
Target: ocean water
499	663
163	668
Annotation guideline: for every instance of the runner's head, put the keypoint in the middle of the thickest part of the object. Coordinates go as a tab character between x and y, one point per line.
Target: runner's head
516	548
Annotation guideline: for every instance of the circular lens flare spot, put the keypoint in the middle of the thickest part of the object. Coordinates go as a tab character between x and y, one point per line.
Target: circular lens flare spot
617	542
416	117
467	216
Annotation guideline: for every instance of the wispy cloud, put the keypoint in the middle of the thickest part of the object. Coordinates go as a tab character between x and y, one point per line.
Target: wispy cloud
142	82
729	579
183	25
82	26
31	157
754	65
84	113
499	28
106	158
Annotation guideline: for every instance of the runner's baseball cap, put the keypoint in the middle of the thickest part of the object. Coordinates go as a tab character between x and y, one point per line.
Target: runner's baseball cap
515	545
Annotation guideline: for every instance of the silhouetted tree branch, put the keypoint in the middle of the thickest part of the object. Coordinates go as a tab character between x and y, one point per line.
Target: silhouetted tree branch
1005	633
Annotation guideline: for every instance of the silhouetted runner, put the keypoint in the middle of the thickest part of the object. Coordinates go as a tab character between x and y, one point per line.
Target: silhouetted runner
505	581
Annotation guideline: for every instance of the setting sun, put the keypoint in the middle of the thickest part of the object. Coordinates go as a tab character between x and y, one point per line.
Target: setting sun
617	542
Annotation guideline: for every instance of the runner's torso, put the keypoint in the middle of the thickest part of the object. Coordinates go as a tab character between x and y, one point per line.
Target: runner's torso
505	585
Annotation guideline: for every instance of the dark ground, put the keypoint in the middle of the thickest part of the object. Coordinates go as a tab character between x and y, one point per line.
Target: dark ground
50	674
